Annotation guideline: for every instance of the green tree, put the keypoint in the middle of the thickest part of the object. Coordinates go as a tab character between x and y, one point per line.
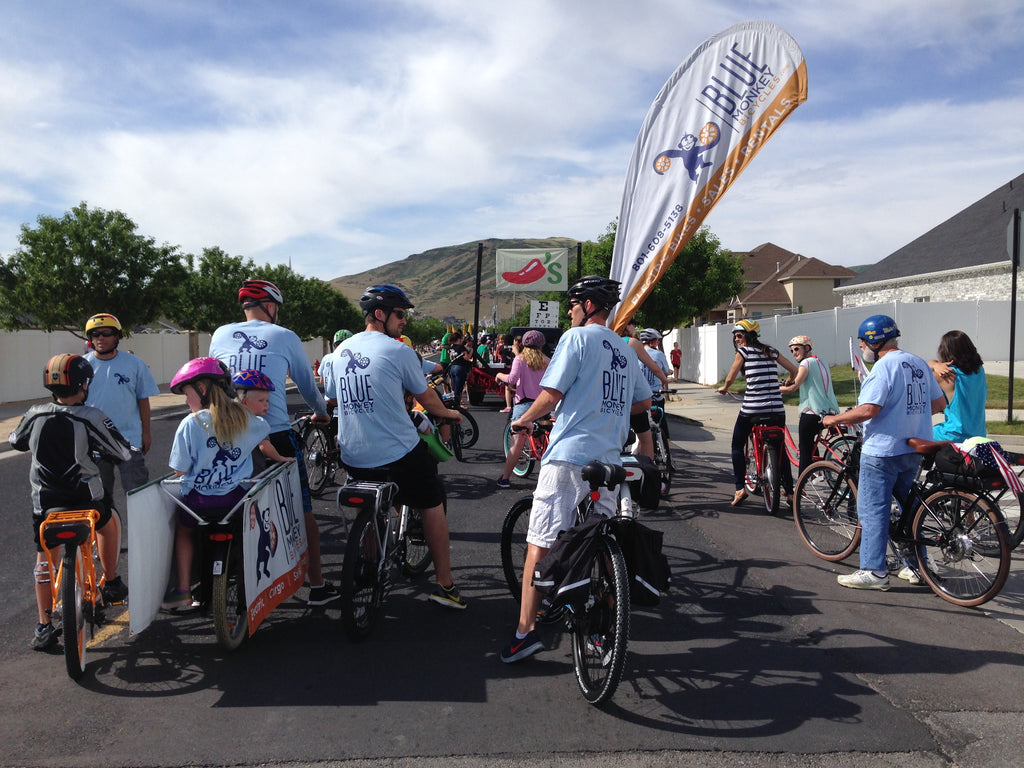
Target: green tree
87	261
423	330
208	297
311	306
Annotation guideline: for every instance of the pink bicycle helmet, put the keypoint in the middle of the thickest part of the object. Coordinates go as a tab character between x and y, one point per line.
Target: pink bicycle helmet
252	379
202	368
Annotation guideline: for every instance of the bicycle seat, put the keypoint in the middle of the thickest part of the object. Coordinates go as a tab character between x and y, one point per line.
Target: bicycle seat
926	447
599	474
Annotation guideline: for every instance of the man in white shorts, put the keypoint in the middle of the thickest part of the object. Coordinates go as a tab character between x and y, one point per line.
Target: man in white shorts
594	378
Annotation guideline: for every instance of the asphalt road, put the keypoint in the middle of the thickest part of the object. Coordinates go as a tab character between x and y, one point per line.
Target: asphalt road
756	658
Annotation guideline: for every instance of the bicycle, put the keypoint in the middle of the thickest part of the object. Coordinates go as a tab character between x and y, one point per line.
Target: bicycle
75	591
534	447
378	542
600	620
465	433
834	445
659	434
221	570
321	454
958	539
761	457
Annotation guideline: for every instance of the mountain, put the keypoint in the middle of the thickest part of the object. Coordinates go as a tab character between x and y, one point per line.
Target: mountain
442	282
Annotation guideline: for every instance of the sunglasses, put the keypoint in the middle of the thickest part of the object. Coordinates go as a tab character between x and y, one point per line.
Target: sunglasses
796	348
575	303
104	334
399	313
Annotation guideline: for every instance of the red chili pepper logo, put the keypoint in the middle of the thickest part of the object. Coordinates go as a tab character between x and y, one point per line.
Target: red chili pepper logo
531	273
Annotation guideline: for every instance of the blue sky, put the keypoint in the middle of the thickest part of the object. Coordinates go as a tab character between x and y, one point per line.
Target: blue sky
345	135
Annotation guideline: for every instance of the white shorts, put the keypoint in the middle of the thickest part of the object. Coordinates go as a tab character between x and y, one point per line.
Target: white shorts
560	488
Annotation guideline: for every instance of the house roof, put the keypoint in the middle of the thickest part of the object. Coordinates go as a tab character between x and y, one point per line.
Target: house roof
973	237
813	268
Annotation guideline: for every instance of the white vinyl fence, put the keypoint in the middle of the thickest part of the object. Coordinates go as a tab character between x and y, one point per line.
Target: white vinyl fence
708	351
23	355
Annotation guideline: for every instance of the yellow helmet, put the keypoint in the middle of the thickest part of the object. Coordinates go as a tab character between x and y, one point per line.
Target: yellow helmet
103	321
747	326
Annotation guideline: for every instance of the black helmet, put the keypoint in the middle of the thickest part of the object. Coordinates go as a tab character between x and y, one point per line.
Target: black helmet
383	297
603	291
65	374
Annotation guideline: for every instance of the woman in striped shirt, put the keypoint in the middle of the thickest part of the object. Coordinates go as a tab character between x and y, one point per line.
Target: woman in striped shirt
758	363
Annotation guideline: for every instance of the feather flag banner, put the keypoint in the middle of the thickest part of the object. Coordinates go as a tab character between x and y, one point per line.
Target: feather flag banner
708	122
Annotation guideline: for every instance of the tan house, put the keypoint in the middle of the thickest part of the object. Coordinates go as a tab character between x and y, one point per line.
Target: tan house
780	282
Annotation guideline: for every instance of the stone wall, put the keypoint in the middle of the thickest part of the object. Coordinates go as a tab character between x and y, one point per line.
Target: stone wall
990	283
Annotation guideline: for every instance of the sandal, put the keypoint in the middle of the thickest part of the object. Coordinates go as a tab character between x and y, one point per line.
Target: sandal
738	497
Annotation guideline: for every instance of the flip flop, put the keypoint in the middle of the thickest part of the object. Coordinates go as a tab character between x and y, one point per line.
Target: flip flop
738	498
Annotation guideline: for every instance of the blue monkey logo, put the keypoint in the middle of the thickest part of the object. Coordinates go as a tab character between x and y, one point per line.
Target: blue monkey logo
689	149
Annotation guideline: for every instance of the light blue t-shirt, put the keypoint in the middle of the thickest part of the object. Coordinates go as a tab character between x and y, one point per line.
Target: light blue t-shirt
210	468
903	385
661	361
371	372
325	373
117	386
275	352
599	378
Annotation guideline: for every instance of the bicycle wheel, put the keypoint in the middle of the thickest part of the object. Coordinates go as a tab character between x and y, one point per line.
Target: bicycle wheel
416	557
362	581
513	544
838	449
230	609
668	444
962	547
524	466
825	510
1012	507
770	478
468	427
73	611
455	436
316	453
751	481
600	625
662	461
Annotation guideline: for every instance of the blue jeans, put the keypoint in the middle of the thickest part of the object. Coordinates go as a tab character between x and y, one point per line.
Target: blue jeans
880	477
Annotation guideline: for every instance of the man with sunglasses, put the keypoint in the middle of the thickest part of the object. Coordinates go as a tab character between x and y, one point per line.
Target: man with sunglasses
261	344
121	387
371	372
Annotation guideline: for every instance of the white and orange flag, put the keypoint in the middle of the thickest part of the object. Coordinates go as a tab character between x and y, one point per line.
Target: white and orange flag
705	126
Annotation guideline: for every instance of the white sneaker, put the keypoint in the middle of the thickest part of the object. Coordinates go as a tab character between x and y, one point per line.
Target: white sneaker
864	580
909	575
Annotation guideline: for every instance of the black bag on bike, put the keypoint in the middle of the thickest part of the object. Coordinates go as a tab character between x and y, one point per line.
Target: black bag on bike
647	491
646	564
563	574
963	467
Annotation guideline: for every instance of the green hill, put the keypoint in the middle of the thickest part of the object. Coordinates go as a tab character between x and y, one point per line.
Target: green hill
441	282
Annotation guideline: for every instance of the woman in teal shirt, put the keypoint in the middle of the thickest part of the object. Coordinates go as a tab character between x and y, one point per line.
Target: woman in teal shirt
961	375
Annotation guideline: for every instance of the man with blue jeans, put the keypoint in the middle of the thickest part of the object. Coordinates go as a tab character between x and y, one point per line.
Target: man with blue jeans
896	403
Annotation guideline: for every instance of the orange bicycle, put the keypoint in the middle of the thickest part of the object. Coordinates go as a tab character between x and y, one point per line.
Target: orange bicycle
76	591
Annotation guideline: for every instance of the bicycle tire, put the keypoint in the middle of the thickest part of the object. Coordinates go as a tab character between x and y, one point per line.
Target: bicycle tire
455	436
770	478
963	555
825	511
416	557
469	428
513	544
73	611
230	609
751	480
662	461
524	466
668	444
362	586
840	447
316	447
1012	507
596	624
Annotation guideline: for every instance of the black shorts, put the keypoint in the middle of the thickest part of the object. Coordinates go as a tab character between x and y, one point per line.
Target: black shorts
102	507
640	422
419	485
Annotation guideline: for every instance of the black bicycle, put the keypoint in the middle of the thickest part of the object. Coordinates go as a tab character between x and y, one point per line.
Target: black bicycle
598	622
321	453
464	434
958	539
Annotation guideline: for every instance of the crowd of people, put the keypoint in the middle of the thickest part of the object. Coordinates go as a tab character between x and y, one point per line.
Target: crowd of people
238	421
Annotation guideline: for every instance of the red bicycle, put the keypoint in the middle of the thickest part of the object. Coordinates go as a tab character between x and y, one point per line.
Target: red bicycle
834	444
762	454
534	447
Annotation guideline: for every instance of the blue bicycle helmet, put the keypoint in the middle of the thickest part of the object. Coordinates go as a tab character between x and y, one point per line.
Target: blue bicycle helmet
878	328
252	379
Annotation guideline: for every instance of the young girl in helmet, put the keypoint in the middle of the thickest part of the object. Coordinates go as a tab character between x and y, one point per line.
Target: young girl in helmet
212	452
253	391
758	363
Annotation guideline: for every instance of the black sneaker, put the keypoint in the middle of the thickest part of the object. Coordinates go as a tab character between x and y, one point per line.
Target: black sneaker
324	594
449	597
45	637
115	592
520	648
